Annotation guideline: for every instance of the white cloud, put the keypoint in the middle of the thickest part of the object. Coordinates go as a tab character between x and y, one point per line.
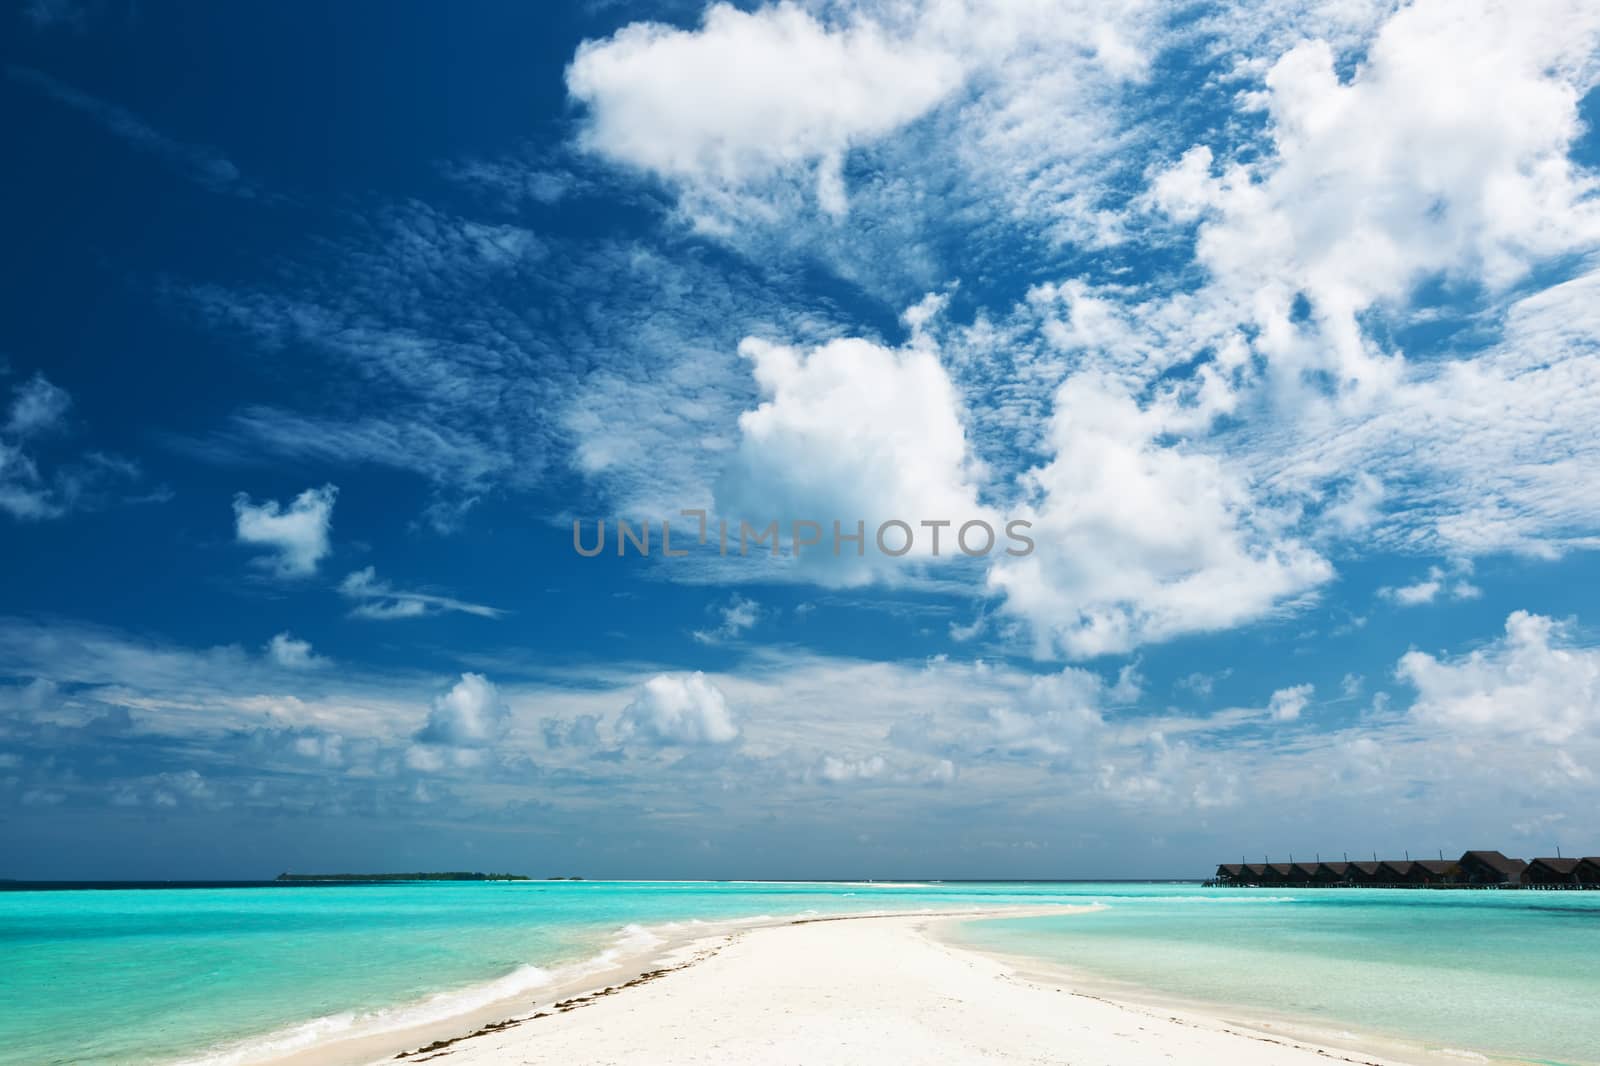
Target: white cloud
751	94
37	406
297	534
1437	582
198	163
1056	715
378	600
1444	156
1535	682
324	748
738	615
682	709
30	492
836	770
1005	109
1530	480
1446	151
36	695
287	651
1202	684
471	715
1287	703
1138	542
853	432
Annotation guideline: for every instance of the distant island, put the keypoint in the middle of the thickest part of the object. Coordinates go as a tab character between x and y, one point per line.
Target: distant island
455	875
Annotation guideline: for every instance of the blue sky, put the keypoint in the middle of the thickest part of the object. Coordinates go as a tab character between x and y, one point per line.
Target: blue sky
324	325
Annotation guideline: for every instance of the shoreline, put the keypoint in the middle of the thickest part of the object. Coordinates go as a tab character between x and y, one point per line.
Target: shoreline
626	1007
1328	1037
334	1040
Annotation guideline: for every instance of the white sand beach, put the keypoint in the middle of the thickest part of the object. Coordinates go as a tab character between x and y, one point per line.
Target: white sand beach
879	989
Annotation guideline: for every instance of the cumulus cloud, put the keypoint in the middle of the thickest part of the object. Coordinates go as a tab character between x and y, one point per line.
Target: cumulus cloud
1377	181
471	715
1005	106
1140	542
1318	237
1535	682
379	600
297	535
751	94
1437	582
853	432
1057	716
1287	703
678	709
835	769
287	651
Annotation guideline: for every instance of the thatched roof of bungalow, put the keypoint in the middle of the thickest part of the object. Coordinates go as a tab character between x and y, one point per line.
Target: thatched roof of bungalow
1363	872
1588	871
1303	871
1332	871
1395	871
1490	867
1545	871
1434	869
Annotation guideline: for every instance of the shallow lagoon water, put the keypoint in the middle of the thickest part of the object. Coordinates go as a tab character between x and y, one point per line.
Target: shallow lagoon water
160	975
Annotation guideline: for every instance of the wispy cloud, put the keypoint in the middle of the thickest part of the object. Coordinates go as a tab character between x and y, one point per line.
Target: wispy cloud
738	615
378	600
199	164
34	488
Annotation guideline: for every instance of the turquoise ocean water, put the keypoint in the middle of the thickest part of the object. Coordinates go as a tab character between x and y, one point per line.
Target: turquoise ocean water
163	975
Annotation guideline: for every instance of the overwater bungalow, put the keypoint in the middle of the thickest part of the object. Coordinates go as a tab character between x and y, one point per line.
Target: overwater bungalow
1434	872
1475	869
1551	873
1276	873
1363	873
1303	873
1230	873
1490	868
